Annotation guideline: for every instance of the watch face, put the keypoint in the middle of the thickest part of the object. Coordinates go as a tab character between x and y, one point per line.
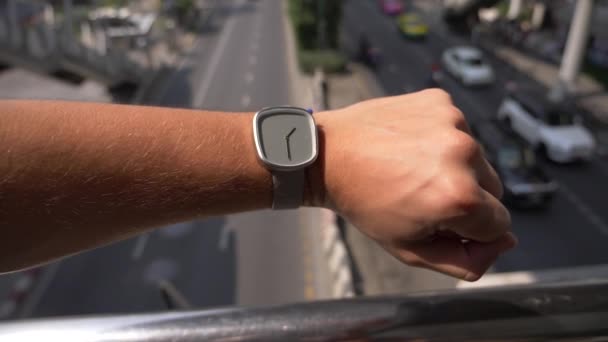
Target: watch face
285	137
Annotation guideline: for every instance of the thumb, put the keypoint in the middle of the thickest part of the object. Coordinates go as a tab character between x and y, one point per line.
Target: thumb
463	260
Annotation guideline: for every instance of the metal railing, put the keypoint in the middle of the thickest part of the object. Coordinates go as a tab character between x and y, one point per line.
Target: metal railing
539	312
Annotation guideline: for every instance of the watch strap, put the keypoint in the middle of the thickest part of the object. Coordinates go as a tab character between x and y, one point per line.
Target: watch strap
288	189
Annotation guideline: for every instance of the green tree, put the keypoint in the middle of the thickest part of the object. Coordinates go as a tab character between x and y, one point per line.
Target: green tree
307	16
114	3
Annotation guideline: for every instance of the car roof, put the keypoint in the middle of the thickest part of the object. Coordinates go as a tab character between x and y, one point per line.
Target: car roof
538	101
466	52
410	15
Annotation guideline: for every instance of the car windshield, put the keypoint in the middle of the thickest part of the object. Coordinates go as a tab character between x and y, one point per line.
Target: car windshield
560	118
473	61
513	158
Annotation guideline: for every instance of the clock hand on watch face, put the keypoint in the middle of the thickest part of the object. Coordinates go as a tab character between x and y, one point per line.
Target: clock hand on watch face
288	145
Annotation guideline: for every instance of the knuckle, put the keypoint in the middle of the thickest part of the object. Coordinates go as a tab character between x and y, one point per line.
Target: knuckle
462	145
467	202
455	116
439	93
462	196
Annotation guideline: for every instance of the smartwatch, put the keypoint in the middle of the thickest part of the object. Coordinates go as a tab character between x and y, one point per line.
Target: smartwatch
286	144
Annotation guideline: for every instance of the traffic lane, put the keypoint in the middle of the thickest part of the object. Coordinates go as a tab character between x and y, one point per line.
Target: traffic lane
197	257
403	67
93	282
267	80
406	64
271	253
272	266
553	238
220	87
124	277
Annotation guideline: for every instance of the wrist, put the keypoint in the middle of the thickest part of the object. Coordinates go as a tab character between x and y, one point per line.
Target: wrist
315	193
258	175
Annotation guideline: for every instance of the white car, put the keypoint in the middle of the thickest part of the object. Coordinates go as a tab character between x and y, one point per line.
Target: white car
467	65
553	130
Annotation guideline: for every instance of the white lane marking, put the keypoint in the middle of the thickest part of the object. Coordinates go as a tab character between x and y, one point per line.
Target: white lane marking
595	220
140	246
34	298
225	233
249	77
253	60
161	269
245	101
201	95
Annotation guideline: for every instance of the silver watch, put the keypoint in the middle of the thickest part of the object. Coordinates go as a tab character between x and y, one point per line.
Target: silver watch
286	144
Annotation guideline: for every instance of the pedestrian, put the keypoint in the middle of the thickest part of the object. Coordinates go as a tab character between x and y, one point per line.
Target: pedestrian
403	169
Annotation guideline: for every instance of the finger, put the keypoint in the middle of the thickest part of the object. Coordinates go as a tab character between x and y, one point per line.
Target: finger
460	121
464	148
486	176
485	222
467	261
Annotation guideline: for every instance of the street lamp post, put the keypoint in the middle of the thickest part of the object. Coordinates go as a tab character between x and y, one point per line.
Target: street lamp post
576	44
538	14
514	9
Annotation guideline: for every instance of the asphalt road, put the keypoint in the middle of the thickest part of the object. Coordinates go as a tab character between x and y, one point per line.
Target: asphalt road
574	230
257	258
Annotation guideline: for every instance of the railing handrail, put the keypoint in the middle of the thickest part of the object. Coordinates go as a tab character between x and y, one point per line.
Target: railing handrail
500	314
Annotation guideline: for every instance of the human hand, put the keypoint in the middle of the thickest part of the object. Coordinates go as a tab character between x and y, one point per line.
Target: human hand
406	172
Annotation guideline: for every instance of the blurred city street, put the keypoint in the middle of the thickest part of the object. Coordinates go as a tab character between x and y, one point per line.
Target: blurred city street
244	60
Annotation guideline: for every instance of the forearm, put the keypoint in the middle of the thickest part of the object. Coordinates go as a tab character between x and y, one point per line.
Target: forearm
74	176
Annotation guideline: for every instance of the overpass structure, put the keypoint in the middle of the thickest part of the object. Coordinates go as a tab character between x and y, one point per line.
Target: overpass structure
32	39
